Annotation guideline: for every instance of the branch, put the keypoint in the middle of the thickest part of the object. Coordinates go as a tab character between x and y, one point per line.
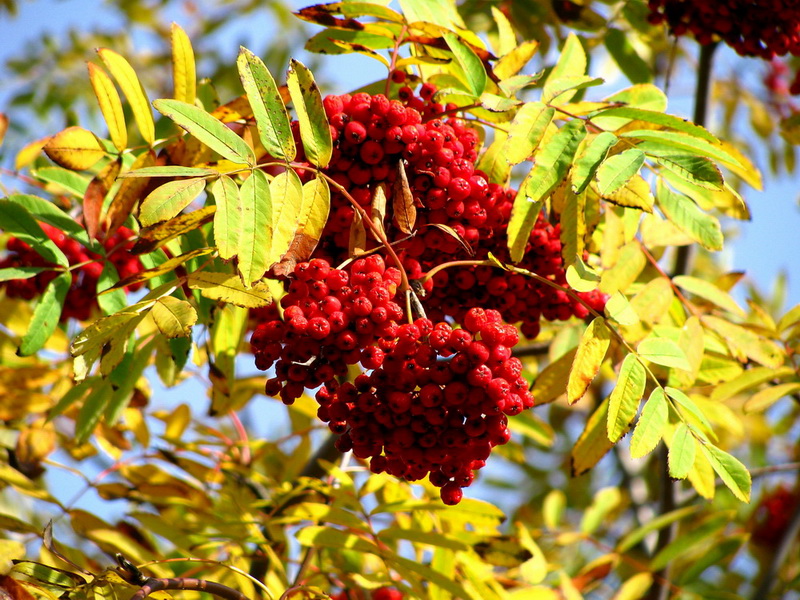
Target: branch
149	585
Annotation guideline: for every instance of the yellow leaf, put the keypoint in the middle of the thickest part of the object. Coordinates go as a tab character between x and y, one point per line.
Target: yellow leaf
29	153
183	67
593	443
74	148
552	381
174	317
226	287
635	587
591	352
110	105
178	420
130	85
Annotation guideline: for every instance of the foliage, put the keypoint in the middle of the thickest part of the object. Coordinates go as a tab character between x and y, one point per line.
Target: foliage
215	201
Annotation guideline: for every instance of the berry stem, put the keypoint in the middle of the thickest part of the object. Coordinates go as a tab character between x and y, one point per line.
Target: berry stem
395	53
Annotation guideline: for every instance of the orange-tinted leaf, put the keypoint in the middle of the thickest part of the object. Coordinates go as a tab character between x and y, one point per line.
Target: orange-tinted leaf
130	192
96	194
405	214
12	589
74	148
3	127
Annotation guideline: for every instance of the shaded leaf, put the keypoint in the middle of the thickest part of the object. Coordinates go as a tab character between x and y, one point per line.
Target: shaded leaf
626	57
587	162
636	536
95	196
697	170
224	287
593	443
46	315
174	317
156	236
169	171
17	221
128	194
761	401
690	539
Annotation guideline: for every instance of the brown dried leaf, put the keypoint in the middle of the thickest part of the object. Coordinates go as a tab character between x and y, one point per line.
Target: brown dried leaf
11	589
95	195
156	236
378	207
130	192
453	233
405	213
358	235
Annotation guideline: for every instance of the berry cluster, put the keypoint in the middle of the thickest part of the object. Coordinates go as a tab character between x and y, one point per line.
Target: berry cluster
772	516
763	28
81	298
384	593
435	394
435	404
331	318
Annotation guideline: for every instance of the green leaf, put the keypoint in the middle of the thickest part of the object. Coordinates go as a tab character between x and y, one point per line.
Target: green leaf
651	424
688	540
620	310
16	220
314	129
687	404
255	235
46	315
663	351
591	352
657	118
469	62
581	277
526	131
625	398
112	301
615	172
689	218
170	171
571	63
168	200
697	170
272	120
592	444
552	162
493	160
716	555
553	507
426	573
565	88
286	191
589	160
429	538
438	12
603	503
626	57
208	130
681	452
708	291
637	535
228	216
70	181
327	537
654	140
10	273
92	410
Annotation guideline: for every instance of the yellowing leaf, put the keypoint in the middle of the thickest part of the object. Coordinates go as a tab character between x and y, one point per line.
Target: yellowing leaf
593	444
227	218
745	342
110	105
167	200
625	398
651	424
174	317
572	62
663	351
762	400
526	131
552	381
588	358
708	291
184	77
286	192
74	148
228	288
130	85
681	452
732	472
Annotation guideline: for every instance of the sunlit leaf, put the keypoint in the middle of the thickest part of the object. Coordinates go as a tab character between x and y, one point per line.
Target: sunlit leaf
130	85
286	192
74	148
228	288
227	218
272	120
255	235
571	62
591	352
650	427
589	160
761	401
314	129
663	351
708	291
469	62
625	398
169	199
184	77
110	105
526	131
681	452
156	236
207	130
617	170
593	444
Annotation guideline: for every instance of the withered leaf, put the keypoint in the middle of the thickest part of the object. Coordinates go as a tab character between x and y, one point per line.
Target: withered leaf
156	236
405	213
95	195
